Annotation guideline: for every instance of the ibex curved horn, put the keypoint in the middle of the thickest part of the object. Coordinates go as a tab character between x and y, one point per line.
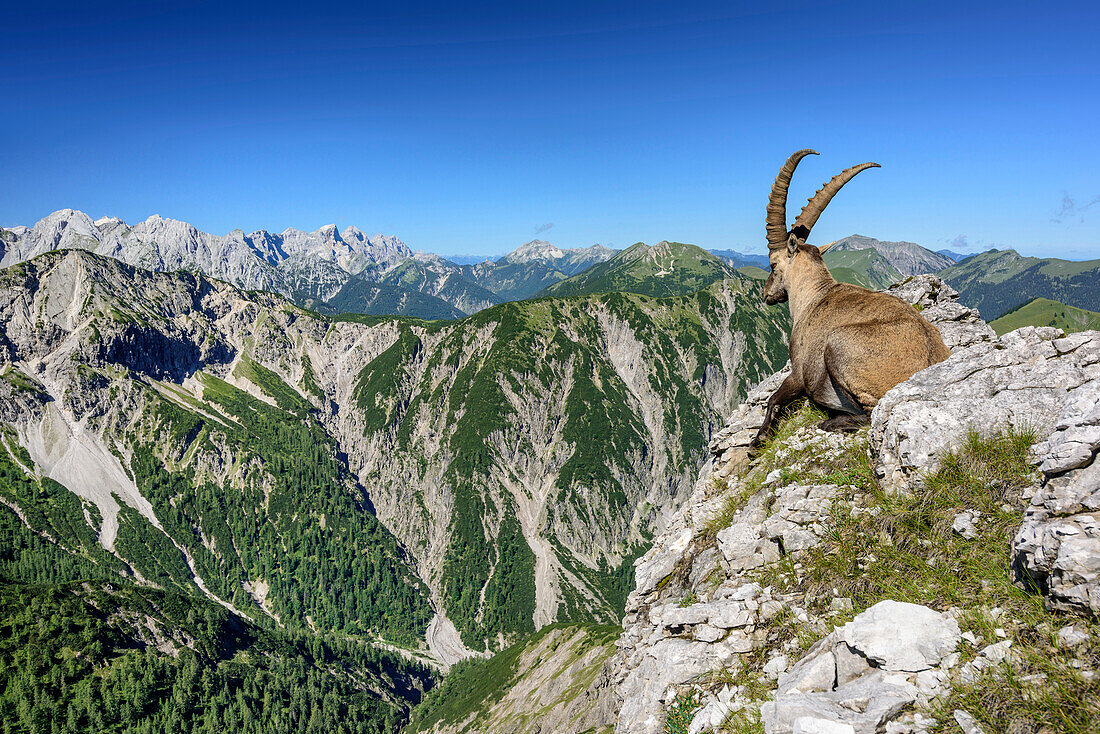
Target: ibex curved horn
777	202
817	203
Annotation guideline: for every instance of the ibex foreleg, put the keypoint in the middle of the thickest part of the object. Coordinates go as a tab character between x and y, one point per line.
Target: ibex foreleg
790	391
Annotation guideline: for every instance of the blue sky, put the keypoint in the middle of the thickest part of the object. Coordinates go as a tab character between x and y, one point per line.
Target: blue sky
468	127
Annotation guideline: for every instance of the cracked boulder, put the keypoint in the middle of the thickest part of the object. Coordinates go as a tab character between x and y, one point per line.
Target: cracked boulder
865	674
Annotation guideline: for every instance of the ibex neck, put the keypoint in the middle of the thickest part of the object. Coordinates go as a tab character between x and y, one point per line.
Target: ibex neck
805	286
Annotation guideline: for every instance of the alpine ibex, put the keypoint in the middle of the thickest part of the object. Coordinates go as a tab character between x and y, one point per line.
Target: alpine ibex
849	345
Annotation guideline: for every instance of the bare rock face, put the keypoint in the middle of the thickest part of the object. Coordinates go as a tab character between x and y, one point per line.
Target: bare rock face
938	302
1058	545
1023	380
896	636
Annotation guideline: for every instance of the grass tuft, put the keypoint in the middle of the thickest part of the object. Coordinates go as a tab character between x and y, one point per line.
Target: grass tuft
682	712
902	547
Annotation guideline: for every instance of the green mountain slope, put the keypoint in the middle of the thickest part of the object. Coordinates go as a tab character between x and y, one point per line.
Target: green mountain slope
441	279
665	269
998	281
363	296
90	650
865	267
1045	312
751	271
363	476
557	428
488	695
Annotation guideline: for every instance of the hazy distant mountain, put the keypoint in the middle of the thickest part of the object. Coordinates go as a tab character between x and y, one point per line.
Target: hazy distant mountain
532	267
956	256
665	269
472	259
998	281
742	259
325	269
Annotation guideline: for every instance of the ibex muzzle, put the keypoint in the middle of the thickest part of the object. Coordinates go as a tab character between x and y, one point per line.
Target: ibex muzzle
849	345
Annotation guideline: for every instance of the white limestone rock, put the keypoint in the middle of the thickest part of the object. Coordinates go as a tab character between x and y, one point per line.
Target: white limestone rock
1058	544
1027	379
899	636
813	725
965	524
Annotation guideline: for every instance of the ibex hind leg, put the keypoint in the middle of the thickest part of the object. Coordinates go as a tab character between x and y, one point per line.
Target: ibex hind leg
847	412
789	391
844	422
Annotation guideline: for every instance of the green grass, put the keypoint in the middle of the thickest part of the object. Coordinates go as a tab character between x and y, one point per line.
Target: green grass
1045	312
906	550
681	712
474	685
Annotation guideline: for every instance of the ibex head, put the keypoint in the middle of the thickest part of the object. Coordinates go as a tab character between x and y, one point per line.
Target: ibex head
787	248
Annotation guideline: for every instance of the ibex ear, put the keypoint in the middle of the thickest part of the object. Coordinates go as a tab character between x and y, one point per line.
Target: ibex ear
797	237
823	248
792	244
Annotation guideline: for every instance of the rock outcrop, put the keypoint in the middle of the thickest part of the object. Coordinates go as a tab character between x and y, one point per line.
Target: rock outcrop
703	611
1058	545
867	672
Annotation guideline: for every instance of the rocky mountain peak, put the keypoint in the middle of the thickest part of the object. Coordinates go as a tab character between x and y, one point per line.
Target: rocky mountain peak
533	251
108	223
908	258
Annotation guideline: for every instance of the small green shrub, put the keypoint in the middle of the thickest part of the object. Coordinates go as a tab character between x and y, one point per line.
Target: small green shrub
682	712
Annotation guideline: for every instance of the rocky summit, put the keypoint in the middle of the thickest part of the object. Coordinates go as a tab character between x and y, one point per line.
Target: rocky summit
775	599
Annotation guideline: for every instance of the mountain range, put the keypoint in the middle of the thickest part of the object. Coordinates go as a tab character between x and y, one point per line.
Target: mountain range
444	487
327	270
333	271
338	502
998	281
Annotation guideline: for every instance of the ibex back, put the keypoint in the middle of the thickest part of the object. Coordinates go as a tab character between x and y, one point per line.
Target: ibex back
849	345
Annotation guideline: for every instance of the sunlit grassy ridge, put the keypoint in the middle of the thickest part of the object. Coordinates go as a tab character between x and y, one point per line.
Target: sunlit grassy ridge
1045	312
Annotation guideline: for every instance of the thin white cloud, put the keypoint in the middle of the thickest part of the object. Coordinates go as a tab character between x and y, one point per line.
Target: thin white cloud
1072	209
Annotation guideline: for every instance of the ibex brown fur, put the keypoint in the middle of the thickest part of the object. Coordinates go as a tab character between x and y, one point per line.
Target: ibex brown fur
849	345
